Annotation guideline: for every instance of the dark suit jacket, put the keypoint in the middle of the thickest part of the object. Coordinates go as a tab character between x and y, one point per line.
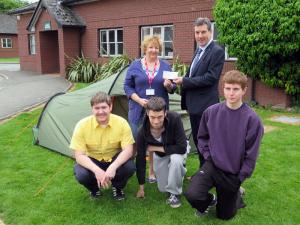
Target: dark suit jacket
201	89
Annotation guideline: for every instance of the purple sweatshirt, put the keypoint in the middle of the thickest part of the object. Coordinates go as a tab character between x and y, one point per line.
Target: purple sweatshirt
231	138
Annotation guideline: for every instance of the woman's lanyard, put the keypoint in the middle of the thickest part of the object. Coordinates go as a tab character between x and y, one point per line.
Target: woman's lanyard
150	77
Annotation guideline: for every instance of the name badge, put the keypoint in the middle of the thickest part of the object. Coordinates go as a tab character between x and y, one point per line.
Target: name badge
150	92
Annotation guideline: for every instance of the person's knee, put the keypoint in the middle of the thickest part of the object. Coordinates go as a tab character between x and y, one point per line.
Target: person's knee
82	174
128	168
225	216
177	160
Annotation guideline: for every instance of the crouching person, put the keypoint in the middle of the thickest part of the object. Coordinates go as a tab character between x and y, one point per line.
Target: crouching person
162	133
229	137
102	144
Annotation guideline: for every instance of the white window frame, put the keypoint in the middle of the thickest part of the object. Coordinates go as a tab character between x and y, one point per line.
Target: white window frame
162	35
32	44
215	39
107	43
6	43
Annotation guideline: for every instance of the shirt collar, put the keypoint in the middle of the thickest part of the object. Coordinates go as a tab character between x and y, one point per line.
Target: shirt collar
208	43
95	123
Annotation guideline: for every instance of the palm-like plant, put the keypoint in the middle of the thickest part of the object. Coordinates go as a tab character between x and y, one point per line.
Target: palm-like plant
82	69
115	65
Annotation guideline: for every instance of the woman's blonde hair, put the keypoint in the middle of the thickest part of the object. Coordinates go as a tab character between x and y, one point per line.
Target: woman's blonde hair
151	40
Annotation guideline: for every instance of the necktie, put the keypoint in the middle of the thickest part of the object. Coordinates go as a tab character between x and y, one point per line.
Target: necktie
196	60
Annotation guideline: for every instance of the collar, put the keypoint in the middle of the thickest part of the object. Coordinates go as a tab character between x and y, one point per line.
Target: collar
95	123
205	47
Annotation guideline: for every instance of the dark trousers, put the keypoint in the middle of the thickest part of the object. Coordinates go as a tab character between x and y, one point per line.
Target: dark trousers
87	178
195	122
227	188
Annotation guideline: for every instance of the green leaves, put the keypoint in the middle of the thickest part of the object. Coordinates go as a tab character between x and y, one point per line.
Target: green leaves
82	69
265	37
115	65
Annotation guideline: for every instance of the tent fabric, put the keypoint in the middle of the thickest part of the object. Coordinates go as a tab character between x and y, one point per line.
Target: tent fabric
61	113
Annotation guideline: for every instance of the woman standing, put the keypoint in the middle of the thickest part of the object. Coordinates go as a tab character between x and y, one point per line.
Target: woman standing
144	79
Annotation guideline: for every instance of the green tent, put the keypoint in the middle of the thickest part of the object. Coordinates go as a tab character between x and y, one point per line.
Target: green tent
61	113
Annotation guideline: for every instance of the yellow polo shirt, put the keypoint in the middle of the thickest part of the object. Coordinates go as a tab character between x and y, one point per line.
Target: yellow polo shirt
101	143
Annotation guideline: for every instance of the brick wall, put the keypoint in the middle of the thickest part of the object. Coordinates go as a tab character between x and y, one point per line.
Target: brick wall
120	13
9	52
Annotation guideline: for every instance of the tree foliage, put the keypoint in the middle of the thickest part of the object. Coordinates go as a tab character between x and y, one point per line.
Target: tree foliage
6	5
265	37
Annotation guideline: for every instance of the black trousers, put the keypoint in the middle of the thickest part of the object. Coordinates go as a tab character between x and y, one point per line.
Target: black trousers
87	178
227	188
195	122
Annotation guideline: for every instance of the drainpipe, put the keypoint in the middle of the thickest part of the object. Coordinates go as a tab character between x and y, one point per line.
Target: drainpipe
80	41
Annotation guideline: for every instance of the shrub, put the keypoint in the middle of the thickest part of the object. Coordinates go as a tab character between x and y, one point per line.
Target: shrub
264	35
115	65
179	67
82	69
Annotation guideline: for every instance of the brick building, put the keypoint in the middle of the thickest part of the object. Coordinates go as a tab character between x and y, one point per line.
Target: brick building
51	32
8	36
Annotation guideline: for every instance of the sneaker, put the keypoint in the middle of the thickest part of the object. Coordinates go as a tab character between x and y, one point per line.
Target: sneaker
213	201
151	180
174	201
201	214
95	195
242	191
118	194
211	204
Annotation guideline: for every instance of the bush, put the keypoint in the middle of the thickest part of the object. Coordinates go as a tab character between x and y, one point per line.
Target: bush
82	69
181	68
264	35
115	65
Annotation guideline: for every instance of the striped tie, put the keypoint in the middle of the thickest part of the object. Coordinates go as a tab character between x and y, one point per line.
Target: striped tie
196	60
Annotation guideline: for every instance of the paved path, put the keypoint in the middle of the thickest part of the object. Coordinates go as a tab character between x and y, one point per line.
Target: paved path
21	90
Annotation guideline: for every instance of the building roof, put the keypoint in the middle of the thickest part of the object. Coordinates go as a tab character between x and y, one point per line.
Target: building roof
23	10
63	15
8	24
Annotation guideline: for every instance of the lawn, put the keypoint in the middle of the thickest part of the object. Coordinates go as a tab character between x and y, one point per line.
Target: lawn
37	186
9	60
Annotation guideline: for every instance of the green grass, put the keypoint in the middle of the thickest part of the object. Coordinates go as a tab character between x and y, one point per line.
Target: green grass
37	186
9	60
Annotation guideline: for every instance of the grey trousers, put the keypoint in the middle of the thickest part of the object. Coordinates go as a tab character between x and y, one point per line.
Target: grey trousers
169	171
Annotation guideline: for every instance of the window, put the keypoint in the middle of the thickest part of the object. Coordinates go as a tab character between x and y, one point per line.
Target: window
31	44
165	32
6	43
215	38
111	42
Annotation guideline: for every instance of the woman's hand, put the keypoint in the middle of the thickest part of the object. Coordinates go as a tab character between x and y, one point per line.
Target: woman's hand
143	102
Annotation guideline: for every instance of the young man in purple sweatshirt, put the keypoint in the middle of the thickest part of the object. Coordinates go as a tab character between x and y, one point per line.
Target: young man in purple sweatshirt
229	137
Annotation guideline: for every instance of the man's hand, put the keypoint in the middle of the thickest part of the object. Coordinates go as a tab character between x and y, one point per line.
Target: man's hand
178	80
140	193
99	174
108	176
152	148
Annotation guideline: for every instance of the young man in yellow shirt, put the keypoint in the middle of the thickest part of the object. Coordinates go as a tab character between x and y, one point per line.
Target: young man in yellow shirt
102	144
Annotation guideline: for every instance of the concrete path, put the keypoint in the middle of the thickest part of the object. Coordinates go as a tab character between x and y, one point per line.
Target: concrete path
22	90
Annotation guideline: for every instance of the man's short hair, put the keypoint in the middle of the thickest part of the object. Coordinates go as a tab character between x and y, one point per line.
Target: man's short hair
151	40
156	104
203	21
101	97
235	77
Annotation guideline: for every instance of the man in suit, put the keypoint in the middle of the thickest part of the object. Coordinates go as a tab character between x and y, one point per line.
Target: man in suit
200	85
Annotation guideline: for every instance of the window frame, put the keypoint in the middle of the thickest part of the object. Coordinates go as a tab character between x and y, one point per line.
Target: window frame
5	42
162	27
116	42
31	45
215	39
